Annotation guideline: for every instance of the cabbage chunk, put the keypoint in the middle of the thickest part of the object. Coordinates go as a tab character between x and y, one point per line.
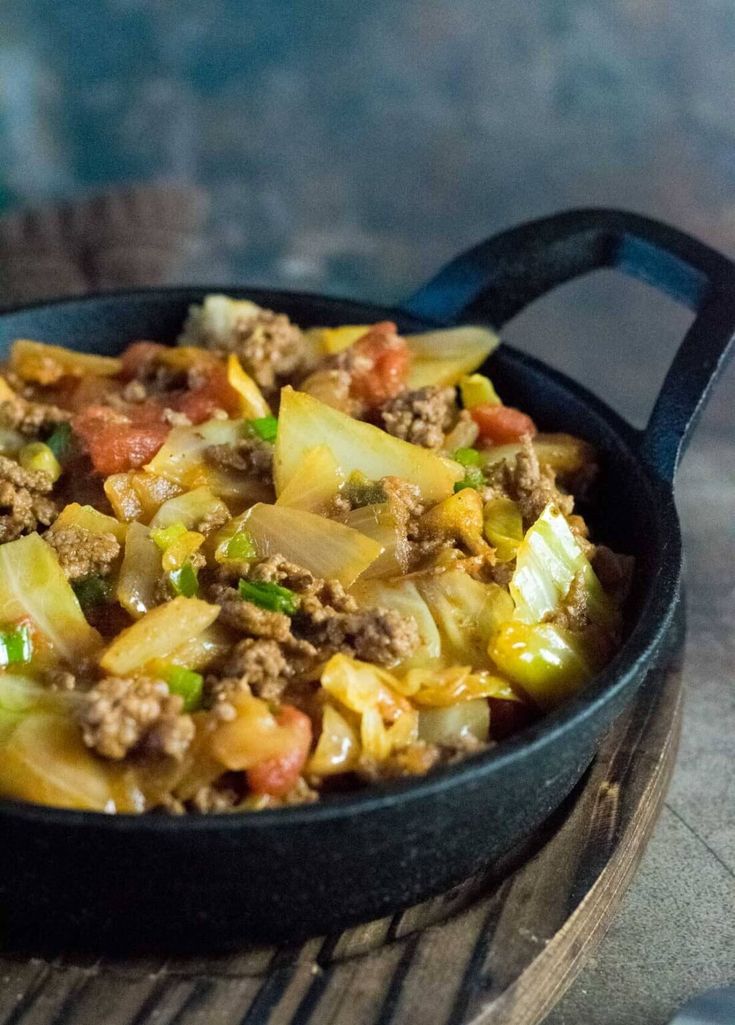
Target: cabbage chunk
304	422
443	357
467	613
326	548
140	572
158	634
315	482
547	662
547	562
33	586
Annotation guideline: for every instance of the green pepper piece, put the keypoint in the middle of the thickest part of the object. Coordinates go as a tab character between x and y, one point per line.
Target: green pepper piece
60	441
16	645
164	537
184	581
187	684
241	546
264	427
467	457
269	596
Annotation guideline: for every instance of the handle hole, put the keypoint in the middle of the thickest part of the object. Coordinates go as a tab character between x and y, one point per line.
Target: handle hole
613	334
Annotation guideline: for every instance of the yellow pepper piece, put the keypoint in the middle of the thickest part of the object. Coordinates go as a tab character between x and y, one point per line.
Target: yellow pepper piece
37	456
46	364
476	389
252	404
503	527
181	550
335	339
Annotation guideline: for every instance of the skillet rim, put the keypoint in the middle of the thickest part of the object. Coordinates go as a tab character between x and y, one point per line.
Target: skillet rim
635	655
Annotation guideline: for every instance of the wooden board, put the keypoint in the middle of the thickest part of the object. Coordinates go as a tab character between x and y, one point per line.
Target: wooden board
498	950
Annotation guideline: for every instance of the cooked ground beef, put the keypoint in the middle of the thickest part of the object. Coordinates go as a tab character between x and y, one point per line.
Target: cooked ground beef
258	665
375	635
530	485
248	455
247	618
82	553
421	416
23	502
214	798
122	713
268	345
31	418
212	520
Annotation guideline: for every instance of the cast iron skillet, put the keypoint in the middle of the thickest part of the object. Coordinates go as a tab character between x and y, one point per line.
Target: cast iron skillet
216	880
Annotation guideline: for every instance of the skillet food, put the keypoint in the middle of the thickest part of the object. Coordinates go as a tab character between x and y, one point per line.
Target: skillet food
267	564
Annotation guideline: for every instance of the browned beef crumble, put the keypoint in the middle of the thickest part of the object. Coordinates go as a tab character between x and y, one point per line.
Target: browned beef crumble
31	418
421	416
528	483
270	348
82	553
256	665
122	713
23	502
249	455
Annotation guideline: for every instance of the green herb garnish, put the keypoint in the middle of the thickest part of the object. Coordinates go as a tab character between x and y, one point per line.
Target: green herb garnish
187	684
264	427
269	596
164	537
184	581
92	591
60	441
16	645
473	478
467	457
241	546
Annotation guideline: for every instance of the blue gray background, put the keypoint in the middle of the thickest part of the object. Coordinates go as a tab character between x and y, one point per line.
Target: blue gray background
352	147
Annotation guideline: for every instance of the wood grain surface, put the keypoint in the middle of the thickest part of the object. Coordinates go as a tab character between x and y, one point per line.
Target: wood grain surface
498	950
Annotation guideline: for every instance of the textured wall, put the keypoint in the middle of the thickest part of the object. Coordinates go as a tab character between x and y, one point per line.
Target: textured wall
353	147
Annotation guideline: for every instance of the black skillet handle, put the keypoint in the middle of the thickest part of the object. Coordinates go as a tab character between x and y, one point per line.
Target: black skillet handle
496	279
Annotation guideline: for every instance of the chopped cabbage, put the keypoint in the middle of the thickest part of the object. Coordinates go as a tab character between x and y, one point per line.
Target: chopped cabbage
33	586
383	523
47	364
548	662
468	614
503	527
158	634
89	518
443	357
140	572
547	562
304	423
326	548
338	747
252	402
190	509
314	483
456	724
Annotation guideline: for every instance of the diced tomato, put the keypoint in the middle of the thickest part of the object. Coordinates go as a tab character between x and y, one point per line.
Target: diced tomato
215	392
386	358
277	776
501	424
137	355
118	442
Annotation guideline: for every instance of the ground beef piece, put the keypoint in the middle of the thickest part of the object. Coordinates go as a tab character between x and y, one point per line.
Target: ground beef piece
375	635
248	618
248	455
82	553
258	665
268	345
213	798
31	418
123	713
213	519
530	485
23	502
421	416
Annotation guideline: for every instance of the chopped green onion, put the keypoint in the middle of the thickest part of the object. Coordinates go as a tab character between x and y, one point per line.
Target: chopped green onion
473	478
467	457
187	684
92	591
16	645
60	441
361	491
241	546
184	581
164	537
264	427
269	596
37	456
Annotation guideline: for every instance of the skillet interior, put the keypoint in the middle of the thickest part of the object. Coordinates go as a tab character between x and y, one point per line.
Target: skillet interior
122	880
